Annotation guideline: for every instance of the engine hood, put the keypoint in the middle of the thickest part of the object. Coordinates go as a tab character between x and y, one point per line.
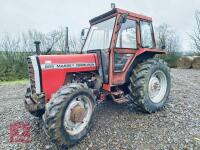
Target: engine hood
69	63
51	71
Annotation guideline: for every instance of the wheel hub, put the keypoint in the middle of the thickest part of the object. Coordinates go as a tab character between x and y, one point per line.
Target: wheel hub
78	113
157	86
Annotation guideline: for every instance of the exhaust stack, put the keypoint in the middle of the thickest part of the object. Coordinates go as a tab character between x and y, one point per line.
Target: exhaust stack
37	47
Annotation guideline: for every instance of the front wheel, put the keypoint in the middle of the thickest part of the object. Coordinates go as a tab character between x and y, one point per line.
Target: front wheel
150	85
69	113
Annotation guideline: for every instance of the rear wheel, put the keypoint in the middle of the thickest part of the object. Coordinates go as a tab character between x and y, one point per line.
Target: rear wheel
150	85
69	113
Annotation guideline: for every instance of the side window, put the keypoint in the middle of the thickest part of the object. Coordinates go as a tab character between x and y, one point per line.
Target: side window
127	35
146	34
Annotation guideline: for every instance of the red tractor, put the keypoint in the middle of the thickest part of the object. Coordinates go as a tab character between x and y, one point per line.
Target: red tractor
117	61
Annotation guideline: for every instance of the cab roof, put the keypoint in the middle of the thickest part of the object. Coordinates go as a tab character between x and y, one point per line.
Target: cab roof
119	11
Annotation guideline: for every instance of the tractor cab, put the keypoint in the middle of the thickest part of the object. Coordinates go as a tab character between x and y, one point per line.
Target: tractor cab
118	37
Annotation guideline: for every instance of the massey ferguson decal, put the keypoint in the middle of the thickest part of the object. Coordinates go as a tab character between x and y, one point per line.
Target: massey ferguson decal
64	66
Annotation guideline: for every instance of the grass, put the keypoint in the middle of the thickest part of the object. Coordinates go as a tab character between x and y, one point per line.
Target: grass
170	59
13	66
13	82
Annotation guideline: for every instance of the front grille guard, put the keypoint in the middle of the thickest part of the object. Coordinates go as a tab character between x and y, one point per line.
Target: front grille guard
31	76
35	75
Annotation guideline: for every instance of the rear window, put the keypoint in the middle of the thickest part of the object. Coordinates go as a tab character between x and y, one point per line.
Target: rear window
146	34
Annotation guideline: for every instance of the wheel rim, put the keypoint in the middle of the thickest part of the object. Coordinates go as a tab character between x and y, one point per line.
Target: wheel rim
78	114
157	86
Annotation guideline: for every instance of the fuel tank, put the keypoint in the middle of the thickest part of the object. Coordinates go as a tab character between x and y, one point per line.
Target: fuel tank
55	69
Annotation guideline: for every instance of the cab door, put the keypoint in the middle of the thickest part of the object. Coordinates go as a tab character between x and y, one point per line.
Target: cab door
124	51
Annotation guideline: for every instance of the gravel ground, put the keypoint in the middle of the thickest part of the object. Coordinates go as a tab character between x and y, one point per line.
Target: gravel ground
118	126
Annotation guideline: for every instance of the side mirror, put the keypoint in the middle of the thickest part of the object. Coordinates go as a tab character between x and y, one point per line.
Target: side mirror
84	33
124	18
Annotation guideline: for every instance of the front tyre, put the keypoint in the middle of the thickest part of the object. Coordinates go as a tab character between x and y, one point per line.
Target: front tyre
150	85
69	114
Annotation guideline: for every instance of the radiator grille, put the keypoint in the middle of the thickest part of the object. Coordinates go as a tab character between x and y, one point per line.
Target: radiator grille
31	75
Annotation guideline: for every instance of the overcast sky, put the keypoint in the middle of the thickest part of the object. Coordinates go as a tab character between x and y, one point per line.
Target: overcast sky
45	15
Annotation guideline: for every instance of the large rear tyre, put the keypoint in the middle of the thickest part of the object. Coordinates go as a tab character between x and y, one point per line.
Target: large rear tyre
150	85
68	114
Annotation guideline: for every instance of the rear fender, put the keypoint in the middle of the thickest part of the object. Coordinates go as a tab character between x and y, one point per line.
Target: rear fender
142	56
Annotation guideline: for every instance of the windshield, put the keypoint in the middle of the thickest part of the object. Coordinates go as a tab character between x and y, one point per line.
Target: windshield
100	35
